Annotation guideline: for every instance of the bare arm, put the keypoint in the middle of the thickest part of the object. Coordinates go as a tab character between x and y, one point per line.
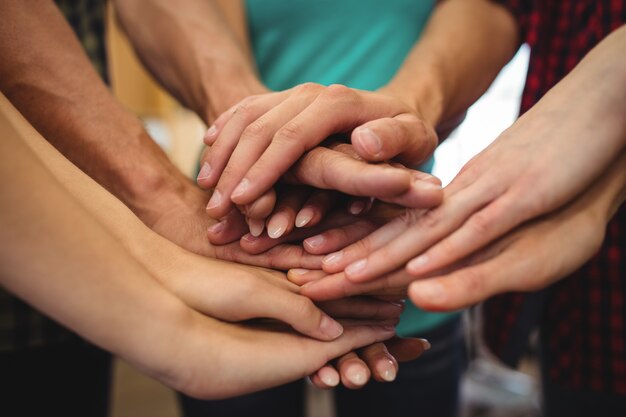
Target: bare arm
59	260
193	51
464	46
47	76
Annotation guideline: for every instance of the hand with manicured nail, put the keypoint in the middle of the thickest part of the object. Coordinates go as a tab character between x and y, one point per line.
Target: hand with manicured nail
528	259
379	360
258	140
337	166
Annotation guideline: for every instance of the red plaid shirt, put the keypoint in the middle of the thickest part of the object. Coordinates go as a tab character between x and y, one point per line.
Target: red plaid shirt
582	318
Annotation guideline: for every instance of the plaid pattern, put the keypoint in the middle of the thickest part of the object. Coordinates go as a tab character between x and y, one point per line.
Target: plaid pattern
20	325
581	317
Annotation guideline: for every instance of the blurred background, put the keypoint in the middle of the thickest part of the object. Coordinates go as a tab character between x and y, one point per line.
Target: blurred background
488	389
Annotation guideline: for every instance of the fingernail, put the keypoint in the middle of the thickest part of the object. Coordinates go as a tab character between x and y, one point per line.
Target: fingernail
431	291
211	132
241	188
333	258
304	217
299	271
314	241
256	227
357	207
216	200
277	226
426	185
205	171
387	370
370	141
418	263
331	379
218	227
356	375
425	344
356	267
249	238
330	327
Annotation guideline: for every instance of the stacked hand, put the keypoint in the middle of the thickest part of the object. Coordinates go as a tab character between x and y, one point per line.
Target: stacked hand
500	226
290	180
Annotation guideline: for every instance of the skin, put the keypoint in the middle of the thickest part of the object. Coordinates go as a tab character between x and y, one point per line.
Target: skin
48	78
256	141
123	306
521	178
489	197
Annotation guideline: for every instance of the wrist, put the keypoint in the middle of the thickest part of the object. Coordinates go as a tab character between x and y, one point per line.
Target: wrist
224	86
424	93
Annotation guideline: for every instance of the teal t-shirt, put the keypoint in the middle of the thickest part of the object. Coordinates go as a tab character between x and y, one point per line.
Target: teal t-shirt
358	43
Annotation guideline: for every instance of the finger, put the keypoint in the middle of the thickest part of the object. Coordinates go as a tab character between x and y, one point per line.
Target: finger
329	169
316	207
482	227
423	193
213	131
362	308
297	311
260	244
253	140
234	122
405	349
382	364
205	170
337	286
228	229
353	371
262	207
281	257
326	377
423	230
301	276
338	238
338	261
360	206
405	136
339	107
282	221
326	168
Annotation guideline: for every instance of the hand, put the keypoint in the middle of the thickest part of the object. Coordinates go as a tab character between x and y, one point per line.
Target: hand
519	177
276	129
379	360
533	257
183	220
530	258
325	168
251	357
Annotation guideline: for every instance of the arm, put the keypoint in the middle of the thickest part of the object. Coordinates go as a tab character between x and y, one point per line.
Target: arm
193	51
122	306
541	163
257	141
47	76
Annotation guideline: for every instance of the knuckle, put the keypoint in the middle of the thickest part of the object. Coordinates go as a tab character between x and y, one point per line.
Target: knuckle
254	130
291	131
303	307
411	217
341	93
308	88
474	281
480	223
362	246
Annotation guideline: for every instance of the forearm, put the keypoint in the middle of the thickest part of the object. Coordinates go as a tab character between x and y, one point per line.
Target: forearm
49	79
193	51
589	102
464	46
61	260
